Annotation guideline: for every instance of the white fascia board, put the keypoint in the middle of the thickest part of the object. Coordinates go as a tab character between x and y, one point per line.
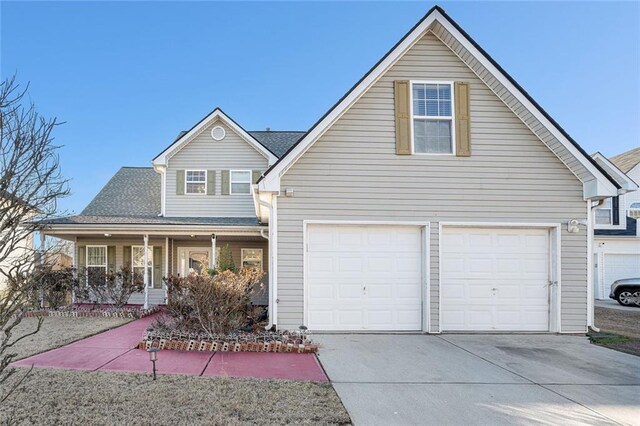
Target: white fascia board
173	230
626	183
163	158
271	182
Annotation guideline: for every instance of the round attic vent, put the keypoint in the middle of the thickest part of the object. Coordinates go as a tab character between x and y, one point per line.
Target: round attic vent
218	133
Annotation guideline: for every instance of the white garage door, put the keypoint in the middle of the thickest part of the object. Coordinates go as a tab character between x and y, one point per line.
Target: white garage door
364	277
618	266
495	279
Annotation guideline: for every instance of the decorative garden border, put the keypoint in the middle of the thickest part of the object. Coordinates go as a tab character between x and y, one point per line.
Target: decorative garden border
296	342
106	312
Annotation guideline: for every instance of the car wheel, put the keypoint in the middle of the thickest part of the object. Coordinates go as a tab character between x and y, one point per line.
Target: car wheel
636	295
626	298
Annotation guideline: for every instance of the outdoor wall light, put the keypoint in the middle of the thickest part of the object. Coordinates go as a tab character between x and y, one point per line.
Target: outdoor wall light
153	357
107	235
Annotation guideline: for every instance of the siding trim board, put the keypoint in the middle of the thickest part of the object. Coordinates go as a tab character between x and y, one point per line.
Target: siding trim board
585	168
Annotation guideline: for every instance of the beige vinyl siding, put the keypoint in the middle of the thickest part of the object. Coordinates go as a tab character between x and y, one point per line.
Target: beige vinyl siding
533	123
235	245
156	295
353	173
204	153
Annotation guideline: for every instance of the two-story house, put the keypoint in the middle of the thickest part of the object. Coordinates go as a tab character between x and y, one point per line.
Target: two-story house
617	235
435	195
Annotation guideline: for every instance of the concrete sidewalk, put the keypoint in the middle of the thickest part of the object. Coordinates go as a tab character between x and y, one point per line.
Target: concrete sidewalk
481	379
114	350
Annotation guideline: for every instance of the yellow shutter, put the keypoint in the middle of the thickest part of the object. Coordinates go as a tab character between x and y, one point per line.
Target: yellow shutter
463	137
403	119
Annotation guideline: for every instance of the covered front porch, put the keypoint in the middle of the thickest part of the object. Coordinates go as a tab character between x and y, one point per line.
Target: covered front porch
166	252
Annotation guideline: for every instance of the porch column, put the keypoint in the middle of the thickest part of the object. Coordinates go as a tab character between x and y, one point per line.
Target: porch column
41	261
75	267
146	272
166	266
212	261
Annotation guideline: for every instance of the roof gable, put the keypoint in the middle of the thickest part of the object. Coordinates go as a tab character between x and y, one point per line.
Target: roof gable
597	183
184	138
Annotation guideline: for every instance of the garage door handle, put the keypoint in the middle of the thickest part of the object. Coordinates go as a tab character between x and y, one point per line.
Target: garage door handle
364	289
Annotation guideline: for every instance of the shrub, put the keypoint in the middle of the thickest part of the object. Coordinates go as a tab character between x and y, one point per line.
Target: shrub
112	287
212	304
225	260
115	287
53	287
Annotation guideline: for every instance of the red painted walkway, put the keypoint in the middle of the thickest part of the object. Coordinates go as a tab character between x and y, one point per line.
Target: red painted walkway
113	351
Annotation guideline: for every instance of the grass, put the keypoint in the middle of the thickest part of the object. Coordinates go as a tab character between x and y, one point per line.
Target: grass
79	397
57	396
58	331
626	344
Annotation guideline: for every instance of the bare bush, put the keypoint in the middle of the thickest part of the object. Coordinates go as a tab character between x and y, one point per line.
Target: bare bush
54	286
213	304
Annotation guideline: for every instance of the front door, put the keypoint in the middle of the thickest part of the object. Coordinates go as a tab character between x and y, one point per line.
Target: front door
193	260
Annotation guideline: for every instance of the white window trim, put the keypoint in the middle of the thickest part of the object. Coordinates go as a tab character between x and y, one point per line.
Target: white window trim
261	257
87	265
452	118
622	216
186	182
150	248
231	172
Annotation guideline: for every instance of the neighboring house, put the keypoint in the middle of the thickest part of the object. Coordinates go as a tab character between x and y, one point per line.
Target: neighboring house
436	195
617	235
22	256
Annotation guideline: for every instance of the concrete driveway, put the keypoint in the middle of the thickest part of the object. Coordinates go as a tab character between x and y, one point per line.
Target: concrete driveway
612	304
481	379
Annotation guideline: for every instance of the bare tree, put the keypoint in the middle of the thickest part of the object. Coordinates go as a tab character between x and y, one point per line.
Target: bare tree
30	185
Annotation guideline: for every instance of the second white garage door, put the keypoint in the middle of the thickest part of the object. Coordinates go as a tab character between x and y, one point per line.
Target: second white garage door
495	279
364	277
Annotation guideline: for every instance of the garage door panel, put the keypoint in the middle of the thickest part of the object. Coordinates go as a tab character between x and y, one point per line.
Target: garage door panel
350	265
495	279
619	266
375	275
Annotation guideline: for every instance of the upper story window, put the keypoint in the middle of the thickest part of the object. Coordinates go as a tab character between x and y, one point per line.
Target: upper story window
240	181
196	182
432	105
608	214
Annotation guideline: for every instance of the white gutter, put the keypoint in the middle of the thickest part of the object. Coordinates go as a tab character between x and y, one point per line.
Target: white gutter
273	249
590	297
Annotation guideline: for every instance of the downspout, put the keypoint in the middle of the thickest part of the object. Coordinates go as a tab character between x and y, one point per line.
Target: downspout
272	278
590	296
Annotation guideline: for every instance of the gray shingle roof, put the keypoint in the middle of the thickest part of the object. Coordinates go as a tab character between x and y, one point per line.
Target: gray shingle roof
153	220
278	142
627	160
132	191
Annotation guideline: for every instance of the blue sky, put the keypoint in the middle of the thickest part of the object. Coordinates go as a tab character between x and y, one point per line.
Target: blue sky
126	77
